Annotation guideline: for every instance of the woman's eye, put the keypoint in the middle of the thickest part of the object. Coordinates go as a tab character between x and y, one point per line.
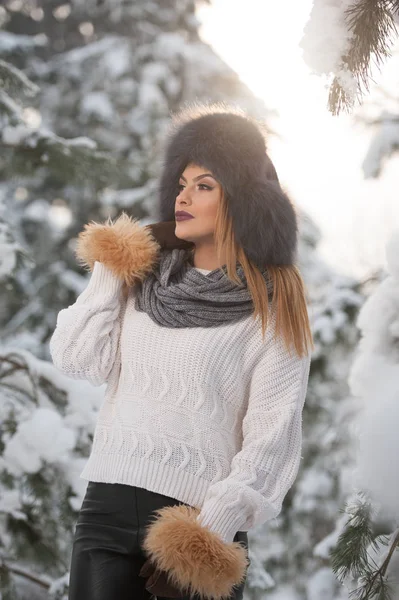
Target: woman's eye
180	187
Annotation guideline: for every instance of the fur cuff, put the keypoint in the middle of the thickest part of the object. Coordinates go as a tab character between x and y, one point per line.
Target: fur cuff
124	246
196	559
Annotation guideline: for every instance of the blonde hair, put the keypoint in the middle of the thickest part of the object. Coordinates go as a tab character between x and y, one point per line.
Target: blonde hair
289	298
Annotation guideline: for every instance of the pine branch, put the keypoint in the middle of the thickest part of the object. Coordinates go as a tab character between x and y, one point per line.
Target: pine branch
394	545
42	581
9	107
17	362
349	557
372	23
338	98
373	584
24	150
69	159
394	5
14	82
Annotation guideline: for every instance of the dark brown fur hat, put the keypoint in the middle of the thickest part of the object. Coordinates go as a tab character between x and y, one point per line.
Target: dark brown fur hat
224	139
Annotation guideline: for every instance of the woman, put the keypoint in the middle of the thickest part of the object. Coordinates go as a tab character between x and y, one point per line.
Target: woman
200	329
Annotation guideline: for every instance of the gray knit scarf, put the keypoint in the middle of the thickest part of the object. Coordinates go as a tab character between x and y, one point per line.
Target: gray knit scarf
175	294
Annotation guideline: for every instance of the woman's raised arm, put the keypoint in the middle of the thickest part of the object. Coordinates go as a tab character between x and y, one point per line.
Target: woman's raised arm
85	340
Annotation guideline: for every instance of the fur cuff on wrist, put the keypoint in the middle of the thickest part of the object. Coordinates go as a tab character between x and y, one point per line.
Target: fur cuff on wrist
124	246
196	558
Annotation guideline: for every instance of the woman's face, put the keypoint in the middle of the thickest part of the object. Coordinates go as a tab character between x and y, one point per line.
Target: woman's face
199	195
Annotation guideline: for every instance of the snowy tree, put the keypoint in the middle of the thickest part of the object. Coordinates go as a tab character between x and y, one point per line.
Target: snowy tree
45	430
380	114
366	554
111	73
384	143
341	40
47	424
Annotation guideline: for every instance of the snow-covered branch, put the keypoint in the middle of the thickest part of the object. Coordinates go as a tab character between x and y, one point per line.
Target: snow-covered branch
342	38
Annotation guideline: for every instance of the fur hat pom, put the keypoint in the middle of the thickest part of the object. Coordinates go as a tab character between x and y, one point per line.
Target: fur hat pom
195	558
124	246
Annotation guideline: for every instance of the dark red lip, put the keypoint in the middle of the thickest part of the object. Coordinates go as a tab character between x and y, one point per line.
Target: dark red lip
182	214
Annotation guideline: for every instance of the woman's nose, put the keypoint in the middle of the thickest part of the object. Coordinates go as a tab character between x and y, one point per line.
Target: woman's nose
183	195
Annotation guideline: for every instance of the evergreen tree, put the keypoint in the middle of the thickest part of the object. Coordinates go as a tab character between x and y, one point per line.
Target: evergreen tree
109	74
365	556
343	39
380	114
43	435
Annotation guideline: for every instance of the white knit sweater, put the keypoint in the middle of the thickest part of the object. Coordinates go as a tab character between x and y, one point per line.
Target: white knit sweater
210	416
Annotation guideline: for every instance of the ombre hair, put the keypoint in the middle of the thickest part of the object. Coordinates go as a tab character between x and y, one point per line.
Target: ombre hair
289	299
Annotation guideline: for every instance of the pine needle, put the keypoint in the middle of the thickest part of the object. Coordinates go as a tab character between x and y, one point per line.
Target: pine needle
350	554
372	24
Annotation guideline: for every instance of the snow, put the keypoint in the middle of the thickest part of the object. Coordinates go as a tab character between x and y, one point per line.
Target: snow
326	39
11	504
322	585
138	120
258	577
155	72
323	548
150	96
314	486
329	316
383	144
10	42
117	60
15	135
13	78
374	380
170	45
81	141
8	252
97	104
125	198
37	210
72	471
392	253
9	105
44	434
21	134
326	36
42	437
73	62
59	587
73	281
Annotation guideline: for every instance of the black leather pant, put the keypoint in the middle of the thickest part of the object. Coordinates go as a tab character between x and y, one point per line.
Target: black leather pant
107	550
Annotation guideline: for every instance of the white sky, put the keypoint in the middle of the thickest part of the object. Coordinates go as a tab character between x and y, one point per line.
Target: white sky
318	157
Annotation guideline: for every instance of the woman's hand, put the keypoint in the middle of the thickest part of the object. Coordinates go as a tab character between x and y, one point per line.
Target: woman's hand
157	582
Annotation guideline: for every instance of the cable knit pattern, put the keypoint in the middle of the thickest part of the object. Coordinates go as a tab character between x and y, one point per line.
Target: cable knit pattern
209	416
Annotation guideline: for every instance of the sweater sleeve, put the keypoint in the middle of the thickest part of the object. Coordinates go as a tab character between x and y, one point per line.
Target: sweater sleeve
85	340
265	468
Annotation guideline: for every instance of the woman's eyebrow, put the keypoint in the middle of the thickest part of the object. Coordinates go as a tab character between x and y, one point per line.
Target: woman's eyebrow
198	177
